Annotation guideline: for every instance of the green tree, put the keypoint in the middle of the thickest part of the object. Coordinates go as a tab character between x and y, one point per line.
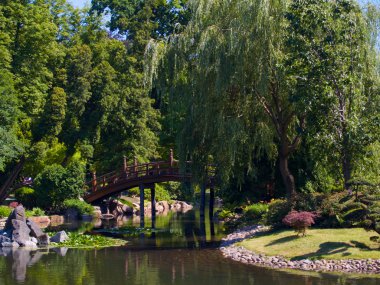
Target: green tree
238	88
330	53
57	183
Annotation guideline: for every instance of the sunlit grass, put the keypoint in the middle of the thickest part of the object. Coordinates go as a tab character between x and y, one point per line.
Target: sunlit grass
317	244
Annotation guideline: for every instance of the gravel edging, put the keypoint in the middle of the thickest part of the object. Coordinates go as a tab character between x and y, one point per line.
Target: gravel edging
239	253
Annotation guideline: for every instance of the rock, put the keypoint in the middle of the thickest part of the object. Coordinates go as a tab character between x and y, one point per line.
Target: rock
31	245
59	237
164	204
159	208
4	239
56	220
97	213
20	233
17	214
2	223
71	214
10	244
40	219
33	239
43	240
127	210
35	230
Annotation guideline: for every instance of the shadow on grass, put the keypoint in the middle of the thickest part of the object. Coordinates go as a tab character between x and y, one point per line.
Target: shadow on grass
327	248
283	240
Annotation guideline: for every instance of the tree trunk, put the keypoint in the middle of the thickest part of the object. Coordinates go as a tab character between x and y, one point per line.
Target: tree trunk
346	168
4	190
287	177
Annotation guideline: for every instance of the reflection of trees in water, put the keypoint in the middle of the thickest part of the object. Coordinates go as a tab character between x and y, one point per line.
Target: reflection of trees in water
44	267
123	266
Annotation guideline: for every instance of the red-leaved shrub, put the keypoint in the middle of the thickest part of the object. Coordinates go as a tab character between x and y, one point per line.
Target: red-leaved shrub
13	204
300	221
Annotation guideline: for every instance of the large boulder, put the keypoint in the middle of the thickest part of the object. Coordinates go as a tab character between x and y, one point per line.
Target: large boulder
97	212
127	210
4	239
43	240
56	220
35	230
59	237
18	213
20	233
164	204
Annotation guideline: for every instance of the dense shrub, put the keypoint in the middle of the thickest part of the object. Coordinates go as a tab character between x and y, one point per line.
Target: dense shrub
26	196
277	210
5	211
57	183
300	221
82	207
35	212
255	211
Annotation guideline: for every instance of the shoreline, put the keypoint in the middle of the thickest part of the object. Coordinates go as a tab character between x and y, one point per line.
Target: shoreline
241	254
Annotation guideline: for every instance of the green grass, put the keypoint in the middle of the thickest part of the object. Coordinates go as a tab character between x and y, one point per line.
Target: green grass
317	244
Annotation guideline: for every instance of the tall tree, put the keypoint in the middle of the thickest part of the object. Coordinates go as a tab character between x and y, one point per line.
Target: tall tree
232	59
330	52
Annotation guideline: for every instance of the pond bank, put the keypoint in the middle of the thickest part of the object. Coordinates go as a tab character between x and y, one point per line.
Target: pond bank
241	254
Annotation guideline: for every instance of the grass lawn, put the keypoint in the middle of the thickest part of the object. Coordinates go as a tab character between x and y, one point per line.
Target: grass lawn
317	244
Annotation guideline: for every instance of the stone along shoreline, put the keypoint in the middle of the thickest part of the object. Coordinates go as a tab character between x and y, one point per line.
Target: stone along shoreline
241	254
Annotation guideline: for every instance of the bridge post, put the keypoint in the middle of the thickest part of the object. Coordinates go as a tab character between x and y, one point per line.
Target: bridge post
94	181
153	202
125	166
142	188
171	159
135	166
203	200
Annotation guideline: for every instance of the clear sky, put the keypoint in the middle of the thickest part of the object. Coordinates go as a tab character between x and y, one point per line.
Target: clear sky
79	3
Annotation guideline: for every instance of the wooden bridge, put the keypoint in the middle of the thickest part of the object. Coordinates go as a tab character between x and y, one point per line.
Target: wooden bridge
144	176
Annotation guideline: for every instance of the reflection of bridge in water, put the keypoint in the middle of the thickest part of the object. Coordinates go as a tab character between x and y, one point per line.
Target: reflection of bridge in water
145	176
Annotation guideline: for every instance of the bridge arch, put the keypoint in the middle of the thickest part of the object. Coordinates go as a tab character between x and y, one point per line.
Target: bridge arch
144	175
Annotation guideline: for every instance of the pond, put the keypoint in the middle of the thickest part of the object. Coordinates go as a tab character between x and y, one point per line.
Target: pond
182	250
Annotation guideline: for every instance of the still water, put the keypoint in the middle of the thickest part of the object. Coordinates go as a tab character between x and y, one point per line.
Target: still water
182	250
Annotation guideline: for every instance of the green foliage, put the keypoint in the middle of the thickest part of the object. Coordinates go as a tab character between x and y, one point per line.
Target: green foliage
81	206
26	196
256	211
5	211
225	214
77	240
57	183
126	202
277	210
35	212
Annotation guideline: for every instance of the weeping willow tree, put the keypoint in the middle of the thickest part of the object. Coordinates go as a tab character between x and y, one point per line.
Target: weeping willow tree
227	72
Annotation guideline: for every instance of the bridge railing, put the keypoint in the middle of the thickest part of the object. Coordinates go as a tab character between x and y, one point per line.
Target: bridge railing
135	171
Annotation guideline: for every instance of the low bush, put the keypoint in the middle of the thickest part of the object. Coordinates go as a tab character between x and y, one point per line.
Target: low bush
255	211
35	212
82	207
5	211
299	221
277	210
26	196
